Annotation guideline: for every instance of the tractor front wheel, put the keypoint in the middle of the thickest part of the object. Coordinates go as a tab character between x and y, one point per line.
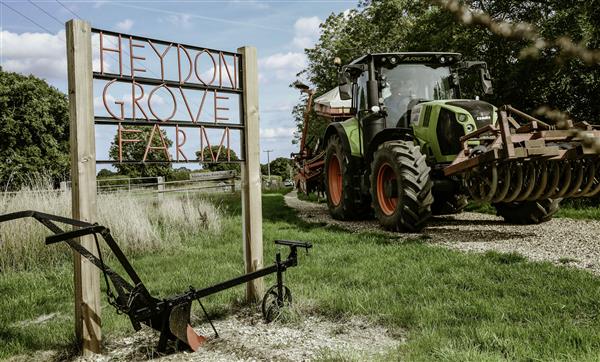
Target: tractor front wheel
343	197
401	186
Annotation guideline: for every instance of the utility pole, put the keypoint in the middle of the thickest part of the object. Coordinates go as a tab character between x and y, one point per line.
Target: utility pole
269	164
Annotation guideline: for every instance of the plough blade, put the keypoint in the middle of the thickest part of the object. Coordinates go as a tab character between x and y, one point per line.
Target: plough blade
179	324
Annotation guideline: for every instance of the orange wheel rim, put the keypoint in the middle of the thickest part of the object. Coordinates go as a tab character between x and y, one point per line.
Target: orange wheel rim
334	180
386	176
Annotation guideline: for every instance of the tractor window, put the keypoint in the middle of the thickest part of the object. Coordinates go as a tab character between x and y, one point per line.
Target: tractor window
410	84
361	99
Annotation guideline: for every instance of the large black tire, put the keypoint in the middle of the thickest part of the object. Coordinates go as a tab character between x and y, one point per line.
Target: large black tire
401	186
448	204
343	196
528	212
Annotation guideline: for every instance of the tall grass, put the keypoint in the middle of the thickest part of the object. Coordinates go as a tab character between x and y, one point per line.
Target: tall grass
139	223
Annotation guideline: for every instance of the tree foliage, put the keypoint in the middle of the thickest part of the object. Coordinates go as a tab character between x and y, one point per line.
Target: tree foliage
222	165
134	151
34	130
525	82
280	166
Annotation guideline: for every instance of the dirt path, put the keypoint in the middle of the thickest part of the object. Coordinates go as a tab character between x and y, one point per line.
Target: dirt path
245	337
562	241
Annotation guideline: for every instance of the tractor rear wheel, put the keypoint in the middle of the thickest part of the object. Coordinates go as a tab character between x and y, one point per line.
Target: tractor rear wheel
401	186
343	197
528	212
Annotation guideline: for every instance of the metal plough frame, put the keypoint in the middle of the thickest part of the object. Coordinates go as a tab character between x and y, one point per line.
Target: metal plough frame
170	316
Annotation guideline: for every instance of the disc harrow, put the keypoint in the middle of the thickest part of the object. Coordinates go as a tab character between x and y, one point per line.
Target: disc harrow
514	162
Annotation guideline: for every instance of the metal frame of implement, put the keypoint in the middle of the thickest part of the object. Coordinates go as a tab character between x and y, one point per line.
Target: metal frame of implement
170	316
527	162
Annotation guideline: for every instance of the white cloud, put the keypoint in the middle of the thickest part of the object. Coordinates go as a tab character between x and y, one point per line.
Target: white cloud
40	54
277	132
306	32
282	66
124	25
181	20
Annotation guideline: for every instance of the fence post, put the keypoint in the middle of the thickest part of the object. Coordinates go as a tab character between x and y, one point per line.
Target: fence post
160	181
251	183
83	180
63	186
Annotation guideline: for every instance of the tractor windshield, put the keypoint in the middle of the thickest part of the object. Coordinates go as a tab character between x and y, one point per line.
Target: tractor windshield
409	84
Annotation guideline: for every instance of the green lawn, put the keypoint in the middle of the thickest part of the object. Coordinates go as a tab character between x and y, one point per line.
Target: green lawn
451	305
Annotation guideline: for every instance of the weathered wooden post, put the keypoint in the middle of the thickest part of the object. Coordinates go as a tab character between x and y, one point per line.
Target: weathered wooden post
160	181
251	182
83	180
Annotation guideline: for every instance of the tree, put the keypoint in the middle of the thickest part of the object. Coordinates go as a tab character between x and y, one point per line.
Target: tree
34	132
281	166
105	173
222	164
134	151
525	82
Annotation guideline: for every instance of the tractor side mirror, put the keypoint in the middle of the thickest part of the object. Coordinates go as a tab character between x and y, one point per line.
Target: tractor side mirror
345	91
486	81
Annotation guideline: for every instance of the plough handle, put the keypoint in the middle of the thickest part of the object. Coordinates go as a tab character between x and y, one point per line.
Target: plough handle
68	235
294	243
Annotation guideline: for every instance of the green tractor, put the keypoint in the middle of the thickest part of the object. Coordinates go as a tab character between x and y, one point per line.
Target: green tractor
414	148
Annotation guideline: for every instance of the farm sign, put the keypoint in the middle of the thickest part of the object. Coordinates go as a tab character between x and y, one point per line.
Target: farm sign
194	92
183	103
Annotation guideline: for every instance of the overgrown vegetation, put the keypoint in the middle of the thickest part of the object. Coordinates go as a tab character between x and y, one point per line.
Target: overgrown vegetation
450	305
140	223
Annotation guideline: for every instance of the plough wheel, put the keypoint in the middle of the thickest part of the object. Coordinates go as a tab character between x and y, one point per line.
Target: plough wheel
527	212
179	324
272	304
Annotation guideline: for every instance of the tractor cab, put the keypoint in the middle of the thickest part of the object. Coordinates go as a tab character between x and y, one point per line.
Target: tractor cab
417	92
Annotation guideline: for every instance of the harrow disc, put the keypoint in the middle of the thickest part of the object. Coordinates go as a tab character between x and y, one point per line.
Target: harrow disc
528	181
540	182
483	183
516	183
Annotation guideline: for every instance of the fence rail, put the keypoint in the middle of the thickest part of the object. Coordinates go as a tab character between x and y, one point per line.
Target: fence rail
217	182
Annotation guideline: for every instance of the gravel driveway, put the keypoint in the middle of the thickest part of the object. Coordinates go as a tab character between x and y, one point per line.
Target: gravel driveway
562	241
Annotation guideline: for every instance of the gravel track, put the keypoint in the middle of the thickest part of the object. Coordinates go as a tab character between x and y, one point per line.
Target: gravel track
245	337
562	241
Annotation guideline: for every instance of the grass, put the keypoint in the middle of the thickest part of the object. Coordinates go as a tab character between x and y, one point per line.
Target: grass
451	305
142	223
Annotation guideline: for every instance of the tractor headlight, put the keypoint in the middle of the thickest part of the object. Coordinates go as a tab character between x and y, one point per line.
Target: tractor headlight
470	128
462	117
393	60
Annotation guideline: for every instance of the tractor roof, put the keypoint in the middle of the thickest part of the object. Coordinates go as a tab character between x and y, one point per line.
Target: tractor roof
412	57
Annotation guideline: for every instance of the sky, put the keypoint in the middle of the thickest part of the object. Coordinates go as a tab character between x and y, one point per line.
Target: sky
32	42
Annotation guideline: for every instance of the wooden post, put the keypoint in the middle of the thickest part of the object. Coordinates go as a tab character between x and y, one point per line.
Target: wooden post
160	181
251	183
83	180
